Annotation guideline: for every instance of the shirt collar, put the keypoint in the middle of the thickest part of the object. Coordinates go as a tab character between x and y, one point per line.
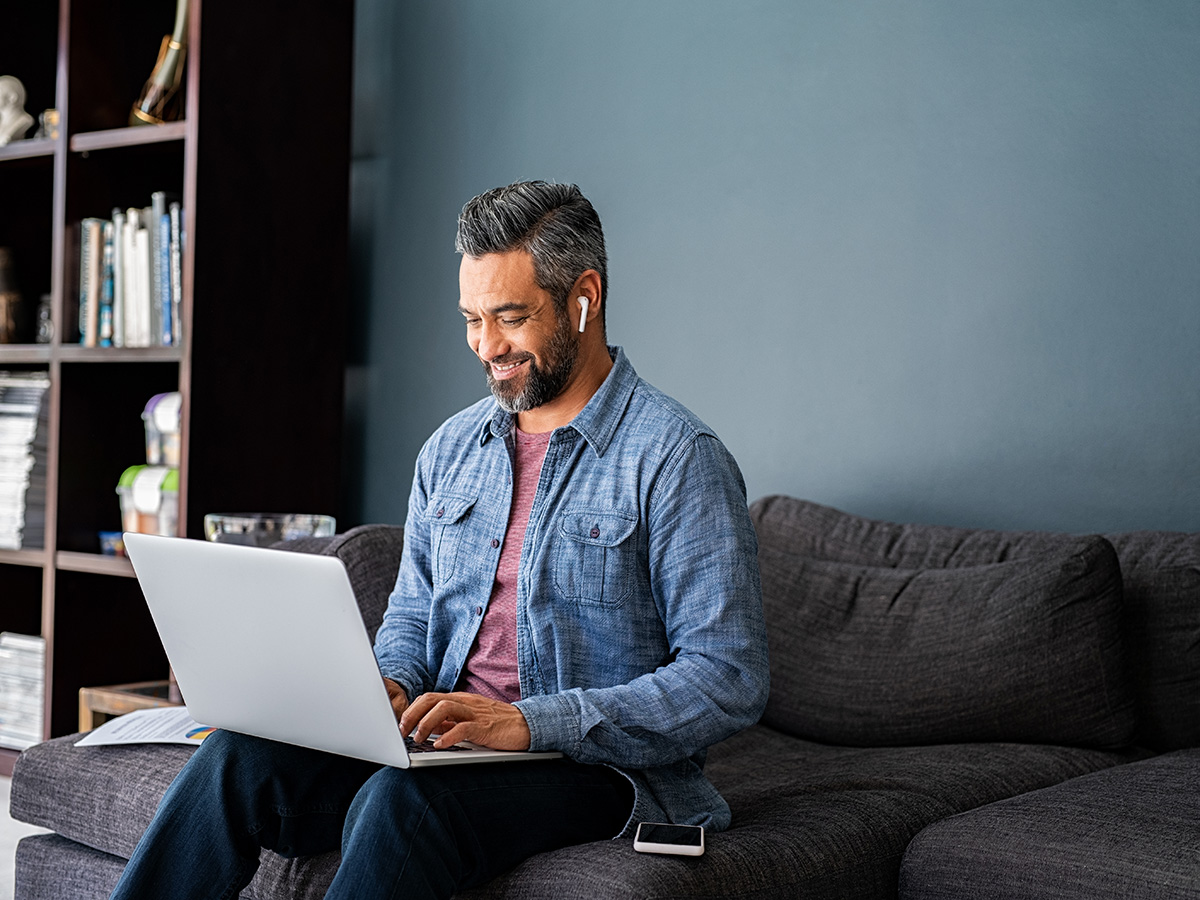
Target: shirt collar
596	422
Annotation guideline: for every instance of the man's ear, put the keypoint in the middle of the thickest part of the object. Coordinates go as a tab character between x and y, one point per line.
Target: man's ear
587	294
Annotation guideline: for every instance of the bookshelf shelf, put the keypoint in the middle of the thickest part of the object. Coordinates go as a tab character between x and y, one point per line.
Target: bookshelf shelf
78	354
261	359
28	149
35	558
133	136
19	354
93	563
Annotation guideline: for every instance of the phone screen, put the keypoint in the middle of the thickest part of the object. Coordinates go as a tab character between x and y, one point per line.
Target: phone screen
681	835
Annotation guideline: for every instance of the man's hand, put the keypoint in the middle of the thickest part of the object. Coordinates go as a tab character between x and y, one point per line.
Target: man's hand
397	696
461	716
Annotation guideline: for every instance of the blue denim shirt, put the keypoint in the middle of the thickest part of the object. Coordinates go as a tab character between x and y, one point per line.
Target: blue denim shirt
640	638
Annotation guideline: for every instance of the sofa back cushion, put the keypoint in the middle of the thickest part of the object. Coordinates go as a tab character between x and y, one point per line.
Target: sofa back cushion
371	554
884	634
1161	572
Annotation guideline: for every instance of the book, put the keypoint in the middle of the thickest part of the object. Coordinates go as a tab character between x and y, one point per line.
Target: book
176	214
153	276
24	419
165	282
141	288
130	313
118	313
22	688
90	272
106	286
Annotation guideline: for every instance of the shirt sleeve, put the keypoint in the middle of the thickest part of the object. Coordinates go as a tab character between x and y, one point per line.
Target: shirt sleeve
401	643
703	559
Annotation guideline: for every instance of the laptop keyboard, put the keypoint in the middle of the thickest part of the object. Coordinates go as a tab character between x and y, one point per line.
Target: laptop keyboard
426	746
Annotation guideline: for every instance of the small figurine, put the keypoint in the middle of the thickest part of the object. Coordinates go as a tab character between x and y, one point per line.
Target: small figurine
14	121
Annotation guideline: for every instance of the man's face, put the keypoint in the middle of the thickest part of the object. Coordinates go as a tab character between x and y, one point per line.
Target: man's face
528	349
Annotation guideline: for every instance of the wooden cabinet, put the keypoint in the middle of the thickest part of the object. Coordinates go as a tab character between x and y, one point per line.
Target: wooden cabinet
261	164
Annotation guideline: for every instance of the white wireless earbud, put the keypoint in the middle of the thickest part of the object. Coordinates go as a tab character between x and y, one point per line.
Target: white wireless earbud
583	305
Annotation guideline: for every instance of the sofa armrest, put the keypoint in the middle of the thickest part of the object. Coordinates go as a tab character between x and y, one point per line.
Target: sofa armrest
371	554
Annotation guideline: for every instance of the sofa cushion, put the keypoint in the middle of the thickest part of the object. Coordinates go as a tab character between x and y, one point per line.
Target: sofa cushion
50	867
1126	832
1162	633
103	797
922	634
820	532
823	823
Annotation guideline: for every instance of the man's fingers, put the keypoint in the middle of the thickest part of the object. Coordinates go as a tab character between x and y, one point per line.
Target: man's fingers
458	732
432	721
396	695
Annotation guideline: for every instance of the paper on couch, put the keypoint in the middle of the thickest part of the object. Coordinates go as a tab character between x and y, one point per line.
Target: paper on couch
163	725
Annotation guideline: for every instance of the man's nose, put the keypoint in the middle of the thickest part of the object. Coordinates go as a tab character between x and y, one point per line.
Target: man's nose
492	342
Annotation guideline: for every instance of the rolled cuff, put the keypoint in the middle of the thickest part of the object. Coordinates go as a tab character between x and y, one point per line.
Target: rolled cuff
553	721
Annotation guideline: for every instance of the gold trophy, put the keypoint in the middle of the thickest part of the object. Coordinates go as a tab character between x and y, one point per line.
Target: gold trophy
158	101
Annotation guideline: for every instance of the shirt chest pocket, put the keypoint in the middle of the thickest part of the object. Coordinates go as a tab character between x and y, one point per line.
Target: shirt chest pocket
447	516
595	560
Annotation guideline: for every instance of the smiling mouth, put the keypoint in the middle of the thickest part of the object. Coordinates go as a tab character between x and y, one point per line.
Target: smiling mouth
501	372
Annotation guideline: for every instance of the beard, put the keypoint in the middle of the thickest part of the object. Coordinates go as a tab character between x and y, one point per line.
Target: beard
540	384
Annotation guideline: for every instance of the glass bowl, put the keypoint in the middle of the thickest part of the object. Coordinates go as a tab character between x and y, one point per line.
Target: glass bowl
265	529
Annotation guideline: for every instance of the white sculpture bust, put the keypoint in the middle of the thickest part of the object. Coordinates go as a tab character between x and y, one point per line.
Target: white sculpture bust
14	121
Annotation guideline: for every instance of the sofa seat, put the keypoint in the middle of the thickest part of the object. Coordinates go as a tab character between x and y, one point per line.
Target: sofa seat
99	800
809	819
50	866
1128	832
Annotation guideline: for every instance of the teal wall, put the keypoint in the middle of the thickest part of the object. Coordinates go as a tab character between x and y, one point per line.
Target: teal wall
932	260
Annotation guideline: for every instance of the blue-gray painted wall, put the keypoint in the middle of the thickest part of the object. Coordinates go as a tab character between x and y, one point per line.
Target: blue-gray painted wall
931	260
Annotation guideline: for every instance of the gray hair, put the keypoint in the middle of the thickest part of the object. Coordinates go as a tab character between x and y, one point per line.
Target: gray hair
554	223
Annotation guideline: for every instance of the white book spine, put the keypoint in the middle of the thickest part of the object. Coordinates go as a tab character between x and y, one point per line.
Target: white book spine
129	323
118	336
144	303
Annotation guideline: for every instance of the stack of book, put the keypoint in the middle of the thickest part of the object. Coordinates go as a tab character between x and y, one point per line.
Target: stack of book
131	276
22	680
24	426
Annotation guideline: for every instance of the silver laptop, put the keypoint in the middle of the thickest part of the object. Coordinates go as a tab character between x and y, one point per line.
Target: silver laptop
271	643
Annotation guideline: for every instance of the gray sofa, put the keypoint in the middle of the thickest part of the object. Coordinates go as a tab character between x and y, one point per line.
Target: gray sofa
953	713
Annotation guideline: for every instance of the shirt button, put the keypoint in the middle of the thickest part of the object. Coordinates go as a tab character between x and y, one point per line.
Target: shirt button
440	513
479	610
495	543
595	532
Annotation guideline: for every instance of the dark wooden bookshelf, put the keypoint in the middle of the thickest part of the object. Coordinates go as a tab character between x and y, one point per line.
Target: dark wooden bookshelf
260	161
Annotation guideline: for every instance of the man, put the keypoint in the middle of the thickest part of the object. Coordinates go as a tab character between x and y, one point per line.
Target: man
579	574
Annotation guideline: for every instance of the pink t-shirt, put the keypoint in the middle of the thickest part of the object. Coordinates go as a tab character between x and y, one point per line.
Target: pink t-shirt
491	667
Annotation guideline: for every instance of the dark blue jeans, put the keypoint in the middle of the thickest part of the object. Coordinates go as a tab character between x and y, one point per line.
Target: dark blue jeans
404	833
